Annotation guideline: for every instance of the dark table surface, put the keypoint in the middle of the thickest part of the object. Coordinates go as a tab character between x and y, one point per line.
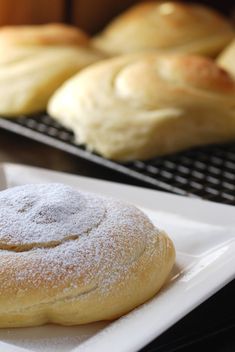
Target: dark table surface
210	327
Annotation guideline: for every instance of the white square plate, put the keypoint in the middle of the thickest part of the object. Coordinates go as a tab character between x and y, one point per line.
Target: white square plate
204	237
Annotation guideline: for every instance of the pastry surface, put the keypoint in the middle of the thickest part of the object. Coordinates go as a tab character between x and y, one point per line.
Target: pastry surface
30	75
142	106
227	59
166	27
47	34
70	257
35	61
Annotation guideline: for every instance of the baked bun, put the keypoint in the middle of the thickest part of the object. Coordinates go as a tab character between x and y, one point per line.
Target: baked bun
47	34
141	106
227	59
166	27
35	61
29	76
70	257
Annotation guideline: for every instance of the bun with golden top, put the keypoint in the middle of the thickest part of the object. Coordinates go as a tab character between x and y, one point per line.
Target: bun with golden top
166	27
141	106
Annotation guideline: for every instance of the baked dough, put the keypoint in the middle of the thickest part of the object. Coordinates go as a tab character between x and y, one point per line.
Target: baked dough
35	61
166	27
227	59
47	34
29	76
141	106
70	257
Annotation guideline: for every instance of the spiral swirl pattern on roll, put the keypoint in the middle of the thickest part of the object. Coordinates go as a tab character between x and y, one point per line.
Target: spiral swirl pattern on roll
71	257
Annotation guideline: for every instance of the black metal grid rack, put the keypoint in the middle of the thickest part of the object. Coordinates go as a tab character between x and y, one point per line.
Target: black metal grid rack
207	172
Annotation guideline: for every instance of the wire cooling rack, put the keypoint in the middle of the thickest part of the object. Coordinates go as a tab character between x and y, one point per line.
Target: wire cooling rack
207	172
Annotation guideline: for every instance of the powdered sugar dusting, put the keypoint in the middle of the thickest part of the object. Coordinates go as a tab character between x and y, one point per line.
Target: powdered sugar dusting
111	237
45	213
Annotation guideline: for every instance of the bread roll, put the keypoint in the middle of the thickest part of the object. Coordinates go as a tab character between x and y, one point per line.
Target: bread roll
141	106
70	257
227	59
166	27
30	75
35	61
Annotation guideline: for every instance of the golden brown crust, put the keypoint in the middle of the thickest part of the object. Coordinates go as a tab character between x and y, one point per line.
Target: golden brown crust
118	261
200	72
141	106
41	306
166	26
48	34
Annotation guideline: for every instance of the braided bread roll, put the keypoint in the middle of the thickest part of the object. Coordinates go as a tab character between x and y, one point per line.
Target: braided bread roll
70	257
227	59
138	107
35	61
166	27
